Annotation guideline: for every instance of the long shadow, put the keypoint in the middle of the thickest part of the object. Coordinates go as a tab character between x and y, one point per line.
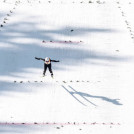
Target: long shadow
19	55
10	88
20	129
84	95
16	56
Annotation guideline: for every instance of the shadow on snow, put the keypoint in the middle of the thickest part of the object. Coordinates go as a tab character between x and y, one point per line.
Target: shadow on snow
84	96
16	55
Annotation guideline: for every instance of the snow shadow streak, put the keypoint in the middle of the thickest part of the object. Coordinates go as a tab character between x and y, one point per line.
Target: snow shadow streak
23	128
16	56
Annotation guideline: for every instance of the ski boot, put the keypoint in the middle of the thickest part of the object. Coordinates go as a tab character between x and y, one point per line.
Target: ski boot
52	75
43	74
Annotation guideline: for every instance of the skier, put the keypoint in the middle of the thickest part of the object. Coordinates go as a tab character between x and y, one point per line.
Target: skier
47	64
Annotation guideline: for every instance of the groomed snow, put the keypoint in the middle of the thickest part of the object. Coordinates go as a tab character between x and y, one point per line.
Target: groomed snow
92	89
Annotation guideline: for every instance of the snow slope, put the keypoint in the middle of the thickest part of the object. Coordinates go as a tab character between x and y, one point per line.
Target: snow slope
92	89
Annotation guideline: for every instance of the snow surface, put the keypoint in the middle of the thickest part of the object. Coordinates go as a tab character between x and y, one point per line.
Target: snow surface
92	89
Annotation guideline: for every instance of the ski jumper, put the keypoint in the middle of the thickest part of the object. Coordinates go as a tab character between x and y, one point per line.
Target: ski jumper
47	64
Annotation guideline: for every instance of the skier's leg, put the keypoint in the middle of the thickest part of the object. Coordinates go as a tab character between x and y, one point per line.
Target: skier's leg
45	68
50	69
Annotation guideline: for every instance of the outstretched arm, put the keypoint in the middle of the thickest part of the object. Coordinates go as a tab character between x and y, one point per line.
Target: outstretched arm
55	61
39	59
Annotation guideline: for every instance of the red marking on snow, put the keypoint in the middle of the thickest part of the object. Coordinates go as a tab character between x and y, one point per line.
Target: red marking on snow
62	41
49	123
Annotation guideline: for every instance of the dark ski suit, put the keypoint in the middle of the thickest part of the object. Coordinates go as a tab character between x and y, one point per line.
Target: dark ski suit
47	65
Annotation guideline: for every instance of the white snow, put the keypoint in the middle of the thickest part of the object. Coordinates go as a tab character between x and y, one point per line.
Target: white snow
93	82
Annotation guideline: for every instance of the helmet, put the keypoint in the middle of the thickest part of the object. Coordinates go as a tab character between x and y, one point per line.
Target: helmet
47	59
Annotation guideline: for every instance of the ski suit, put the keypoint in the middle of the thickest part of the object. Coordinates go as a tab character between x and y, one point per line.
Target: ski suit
47	64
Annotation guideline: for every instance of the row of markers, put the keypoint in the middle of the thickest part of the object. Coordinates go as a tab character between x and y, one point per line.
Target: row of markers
98	2
127	23
9	14
44	81
74	42
62	124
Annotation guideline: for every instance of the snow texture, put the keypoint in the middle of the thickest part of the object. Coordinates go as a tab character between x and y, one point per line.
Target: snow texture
92	89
